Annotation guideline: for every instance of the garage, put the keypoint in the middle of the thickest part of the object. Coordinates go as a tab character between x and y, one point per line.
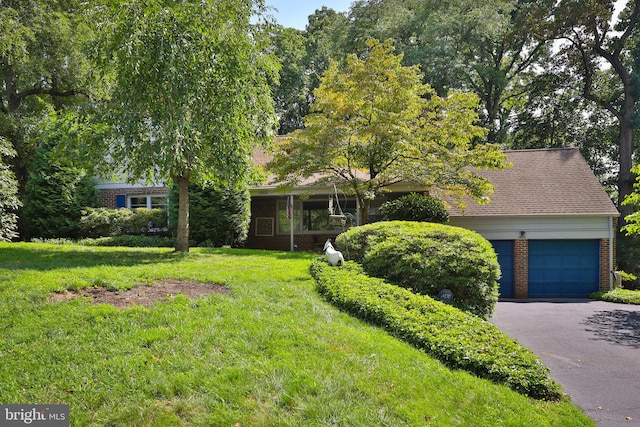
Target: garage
563	268
504	250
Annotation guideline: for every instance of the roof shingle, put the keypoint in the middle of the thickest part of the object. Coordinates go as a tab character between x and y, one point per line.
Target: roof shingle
544	182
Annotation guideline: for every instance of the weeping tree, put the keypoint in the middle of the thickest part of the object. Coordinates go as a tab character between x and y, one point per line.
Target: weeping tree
188	92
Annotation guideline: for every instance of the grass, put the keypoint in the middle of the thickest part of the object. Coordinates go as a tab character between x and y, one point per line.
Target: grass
618	295
271	353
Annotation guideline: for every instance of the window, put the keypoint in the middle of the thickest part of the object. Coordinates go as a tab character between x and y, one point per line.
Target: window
310	215
149	202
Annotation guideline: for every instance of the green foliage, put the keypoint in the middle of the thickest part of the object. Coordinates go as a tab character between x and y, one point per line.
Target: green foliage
415	207
384	126
9	202
101	222
216	217
147	221
55	195
459	340
131	241
633	220
190	96
618	295
105	222
428	258
270	353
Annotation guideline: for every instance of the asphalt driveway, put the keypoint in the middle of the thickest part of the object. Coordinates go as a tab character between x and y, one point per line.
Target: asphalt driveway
591	347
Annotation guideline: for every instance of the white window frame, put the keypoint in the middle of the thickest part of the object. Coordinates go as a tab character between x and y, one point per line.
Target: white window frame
148	197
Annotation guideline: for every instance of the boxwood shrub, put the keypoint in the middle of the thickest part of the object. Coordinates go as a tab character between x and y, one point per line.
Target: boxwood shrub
459	340
428	258
415	207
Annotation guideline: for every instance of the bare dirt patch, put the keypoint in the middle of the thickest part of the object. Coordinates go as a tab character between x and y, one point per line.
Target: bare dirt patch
145	295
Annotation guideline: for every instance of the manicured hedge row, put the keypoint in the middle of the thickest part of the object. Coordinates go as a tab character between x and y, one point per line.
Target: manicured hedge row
459	340
428	258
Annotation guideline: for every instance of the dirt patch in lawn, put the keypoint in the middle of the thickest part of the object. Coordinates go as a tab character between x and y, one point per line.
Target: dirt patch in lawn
145	295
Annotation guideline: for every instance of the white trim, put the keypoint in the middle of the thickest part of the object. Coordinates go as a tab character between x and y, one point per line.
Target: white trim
536	228
148	198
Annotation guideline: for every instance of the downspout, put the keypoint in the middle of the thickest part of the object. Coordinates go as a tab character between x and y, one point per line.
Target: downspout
610	253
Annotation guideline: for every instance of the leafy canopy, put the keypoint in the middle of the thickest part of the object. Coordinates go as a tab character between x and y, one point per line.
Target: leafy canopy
374	123
189	92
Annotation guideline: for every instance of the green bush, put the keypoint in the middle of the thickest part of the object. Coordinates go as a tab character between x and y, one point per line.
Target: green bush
618	295
55	195
415	207
459	340
105	222
216	217
428	258
147	222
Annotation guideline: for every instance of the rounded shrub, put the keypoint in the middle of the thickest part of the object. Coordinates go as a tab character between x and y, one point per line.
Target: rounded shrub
428	258
415	207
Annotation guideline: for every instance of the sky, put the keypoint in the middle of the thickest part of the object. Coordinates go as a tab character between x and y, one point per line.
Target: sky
294	13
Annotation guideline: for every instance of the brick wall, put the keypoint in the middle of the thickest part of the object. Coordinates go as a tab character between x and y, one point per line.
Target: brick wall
605	268
107	197
521	268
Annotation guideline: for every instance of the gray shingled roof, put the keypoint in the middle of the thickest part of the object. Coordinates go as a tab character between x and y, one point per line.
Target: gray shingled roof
544	182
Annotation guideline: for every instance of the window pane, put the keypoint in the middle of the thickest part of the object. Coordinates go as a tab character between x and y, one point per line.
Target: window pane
158	202
284	225
138	202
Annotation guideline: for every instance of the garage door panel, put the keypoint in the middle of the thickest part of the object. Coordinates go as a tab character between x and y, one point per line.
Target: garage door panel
504	250
563	268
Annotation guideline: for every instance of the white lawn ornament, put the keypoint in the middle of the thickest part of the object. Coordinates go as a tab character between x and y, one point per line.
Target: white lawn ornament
334	257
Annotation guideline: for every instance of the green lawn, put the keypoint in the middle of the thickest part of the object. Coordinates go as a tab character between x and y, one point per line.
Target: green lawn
270	353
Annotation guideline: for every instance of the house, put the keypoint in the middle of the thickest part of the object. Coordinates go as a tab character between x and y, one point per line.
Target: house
549	220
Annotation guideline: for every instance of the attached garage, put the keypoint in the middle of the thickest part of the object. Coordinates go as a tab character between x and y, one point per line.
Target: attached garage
563	268
551	224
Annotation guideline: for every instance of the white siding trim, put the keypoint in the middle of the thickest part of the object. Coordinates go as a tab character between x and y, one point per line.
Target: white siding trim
559	227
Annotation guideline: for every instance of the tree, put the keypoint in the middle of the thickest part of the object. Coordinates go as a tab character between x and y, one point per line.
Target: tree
190	95
9	202
57	190
41	64
218	217
374	123
292	92
604	54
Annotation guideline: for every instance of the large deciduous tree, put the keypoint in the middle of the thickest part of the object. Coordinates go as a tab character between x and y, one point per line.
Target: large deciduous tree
603	52
41	64
190	95
374	123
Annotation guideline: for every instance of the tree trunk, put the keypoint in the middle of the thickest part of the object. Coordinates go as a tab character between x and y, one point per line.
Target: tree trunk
182	236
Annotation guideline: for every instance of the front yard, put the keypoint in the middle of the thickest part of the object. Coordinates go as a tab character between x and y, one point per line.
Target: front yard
259	348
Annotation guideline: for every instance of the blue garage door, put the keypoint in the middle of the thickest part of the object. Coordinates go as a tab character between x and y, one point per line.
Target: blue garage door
504	250
563	268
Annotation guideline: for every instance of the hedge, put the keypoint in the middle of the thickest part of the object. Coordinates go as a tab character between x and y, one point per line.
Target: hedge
459	340
429	258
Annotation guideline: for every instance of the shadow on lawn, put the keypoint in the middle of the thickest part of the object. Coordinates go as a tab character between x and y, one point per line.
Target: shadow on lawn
43	259
616	326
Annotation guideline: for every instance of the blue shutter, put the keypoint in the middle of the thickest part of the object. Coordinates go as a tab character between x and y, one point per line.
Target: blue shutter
121	201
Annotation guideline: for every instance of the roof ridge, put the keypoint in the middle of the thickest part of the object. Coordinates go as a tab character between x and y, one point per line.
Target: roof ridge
540	149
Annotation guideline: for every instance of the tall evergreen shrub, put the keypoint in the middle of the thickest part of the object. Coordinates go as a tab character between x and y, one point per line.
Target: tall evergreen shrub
216	217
